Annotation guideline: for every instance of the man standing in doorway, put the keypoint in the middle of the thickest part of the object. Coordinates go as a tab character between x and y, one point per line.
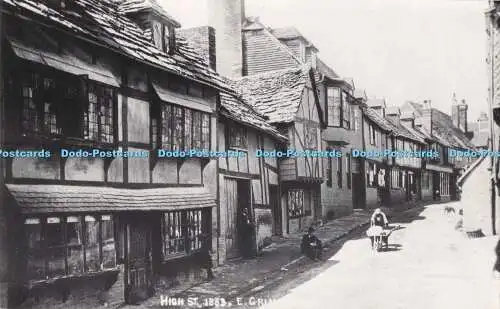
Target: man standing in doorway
247	233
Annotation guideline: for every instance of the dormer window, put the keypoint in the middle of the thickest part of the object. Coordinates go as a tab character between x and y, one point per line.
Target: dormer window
158	35
163	37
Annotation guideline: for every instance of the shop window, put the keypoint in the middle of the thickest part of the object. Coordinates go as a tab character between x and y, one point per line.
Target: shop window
182	232
64	246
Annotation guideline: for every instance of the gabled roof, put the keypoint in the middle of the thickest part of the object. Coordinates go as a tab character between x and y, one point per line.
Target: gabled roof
443	126
399	130
101	22
377	119
443	129
290	33
326	70
264	51
275	94
135	6
234	108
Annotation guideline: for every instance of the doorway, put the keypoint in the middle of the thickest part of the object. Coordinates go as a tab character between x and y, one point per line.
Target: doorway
274	200
358	184
237	199
138	259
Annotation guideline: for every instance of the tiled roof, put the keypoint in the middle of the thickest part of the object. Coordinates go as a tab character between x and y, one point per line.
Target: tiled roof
133	6
376	102
288	33
58	198
275	94
376	118
400	130
101	21
237	110
326	70
443	129
443	126
264	51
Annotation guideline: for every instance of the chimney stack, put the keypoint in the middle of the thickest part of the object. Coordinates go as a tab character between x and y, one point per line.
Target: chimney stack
425	120
226	17
459	114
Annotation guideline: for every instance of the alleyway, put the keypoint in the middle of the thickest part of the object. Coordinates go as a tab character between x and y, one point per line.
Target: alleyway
431	266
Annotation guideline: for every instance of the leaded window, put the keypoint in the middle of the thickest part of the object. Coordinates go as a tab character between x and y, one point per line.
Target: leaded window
296	203
182	232
334	103
179	128
346	111
178	125
237	137
30	122
68	245
53	104
311	137
98	117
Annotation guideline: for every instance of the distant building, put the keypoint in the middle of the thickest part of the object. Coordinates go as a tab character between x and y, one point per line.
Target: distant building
481	131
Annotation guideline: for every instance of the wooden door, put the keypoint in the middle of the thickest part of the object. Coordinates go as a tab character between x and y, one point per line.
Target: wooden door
231	187
138	259
358	184
275	206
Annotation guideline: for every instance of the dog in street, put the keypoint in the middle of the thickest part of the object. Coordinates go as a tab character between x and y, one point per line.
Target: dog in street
449	210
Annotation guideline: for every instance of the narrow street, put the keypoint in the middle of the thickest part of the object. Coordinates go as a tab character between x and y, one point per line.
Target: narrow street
429	265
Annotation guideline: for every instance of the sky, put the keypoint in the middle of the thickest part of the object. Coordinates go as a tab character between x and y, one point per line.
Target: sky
394	49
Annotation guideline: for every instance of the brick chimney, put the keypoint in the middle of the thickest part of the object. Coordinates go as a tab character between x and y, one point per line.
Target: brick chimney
425	120
226	17
459	115
203	40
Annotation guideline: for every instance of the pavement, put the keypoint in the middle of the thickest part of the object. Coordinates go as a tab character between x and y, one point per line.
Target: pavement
244	276
429	265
